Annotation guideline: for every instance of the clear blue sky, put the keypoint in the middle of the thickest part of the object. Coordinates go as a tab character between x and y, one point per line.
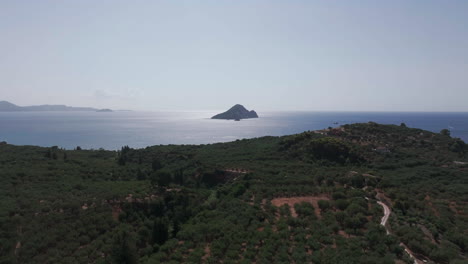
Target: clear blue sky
267	55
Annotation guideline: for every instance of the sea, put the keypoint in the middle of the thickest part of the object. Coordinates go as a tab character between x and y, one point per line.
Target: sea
112	130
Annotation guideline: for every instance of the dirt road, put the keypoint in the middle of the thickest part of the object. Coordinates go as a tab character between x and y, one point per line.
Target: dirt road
387	212
383	222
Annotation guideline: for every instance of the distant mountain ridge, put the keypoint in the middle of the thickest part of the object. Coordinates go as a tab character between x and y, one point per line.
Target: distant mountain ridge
9	107
236	112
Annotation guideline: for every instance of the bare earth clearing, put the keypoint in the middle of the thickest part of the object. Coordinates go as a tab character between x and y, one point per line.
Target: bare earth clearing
291	201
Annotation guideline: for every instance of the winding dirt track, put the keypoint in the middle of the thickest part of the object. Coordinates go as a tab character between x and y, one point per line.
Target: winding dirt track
387	212
383	222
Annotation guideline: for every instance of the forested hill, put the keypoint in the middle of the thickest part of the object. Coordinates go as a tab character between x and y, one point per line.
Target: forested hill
306	198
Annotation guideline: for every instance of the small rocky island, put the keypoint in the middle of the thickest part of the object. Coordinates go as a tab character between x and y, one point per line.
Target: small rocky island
236	113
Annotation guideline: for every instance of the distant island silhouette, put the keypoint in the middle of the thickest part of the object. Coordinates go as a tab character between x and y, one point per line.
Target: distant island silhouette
10	107
105	110
236	113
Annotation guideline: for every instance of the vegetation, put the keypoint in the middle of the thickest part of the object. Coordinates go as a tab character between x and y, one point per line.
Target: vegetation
305	198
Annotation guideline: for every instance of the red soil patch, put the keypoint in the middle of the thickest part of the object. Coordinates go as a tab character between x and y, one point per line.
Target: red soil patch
382	197
17	247
343	234
116	210
454	207
291	201
252	200
428	199
207	252
129	198
428	234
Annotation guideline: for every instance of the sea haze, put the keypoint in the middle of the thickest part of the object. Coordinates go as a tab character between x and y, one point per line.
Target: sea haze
141	129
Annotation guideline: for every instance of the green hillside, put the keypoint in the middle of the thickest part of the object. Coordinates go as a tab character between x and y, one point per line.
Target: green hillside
305	198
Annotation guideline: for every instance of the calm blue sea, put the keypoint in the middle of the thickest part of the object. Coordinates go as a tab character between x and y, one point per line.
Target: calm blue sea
141	129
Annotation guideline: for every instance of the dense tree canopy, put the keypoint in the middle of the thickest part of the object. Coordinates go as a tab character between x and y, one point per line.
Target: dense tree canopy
305	198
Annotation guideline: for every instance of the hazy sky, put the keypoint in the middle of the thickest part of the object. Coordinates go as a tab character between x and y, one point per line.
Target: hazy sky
267	55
